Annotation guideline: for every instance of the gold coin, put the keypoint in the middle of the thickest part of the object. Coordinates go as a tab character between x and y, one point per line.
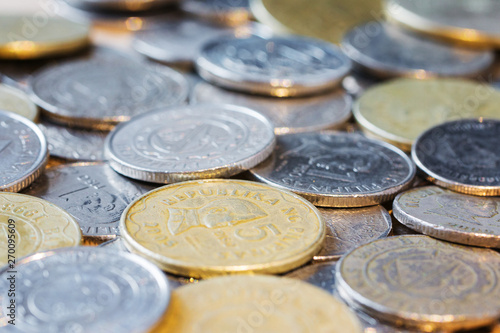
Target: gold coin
31	225
255	304
29	37
210	227
14	100
325	19
400	110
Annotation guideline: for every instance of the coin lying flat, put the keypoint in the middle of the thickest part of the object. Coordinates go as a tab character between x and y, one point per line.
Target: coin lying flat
230	12
23	152
337	170
256	304
85	290
15	100
385	50
422	282
462	155
120	5
291	115
400	110
278	66
37	225
100	93
210	227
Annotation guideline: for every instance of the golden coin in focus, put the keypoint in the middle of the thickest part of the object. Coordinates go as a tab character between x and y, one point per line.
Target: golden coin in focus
15	100
256	304
32	225
211	227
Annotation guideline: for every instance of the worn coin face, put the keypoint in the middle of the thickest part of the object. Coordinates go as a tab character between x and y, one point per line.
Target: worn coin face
291	115
190	142
210	227
462	155
85	290
98	94
278	66
230	12
15	100
37	225
337	170
422	282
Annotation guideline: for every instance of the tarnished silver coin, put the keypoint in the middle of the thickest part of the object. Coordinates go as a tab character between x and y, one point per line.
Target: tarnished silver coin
83	289
278	66
291	115
422	282
98	94
337	170
387	51
356	83
451	216
462	155
92	193
190	142
230	12
23	152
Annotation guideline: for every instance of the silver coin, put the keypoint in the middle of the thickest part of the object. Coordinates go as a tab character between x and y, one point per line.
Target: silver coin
84	289
92	193
387	51
231	12
462	155
337	170
190	142
357	83
290	115
23	152
279	66
98	94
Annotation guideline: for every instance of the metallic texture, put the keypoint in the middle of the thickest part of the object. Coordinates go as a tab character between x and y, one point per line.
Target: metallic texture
17	101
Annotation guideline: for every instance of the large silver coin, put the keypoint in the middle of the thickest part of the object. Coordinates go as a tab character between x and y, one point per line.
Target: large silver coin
83	289
290	115
190	142
23	152
388	51
230	12
279	66
101	93
462	155
337	170
92	193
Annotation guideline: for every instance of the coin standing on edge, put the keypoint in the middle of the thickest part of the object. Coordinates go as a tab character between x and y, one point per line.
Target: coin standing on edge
229	12
15	100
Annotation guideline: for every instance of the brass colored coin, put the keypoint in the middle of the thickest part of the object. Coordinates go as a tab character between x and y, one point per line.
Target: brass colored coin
15	100
211	227
31	225
256	304
24	37
400	110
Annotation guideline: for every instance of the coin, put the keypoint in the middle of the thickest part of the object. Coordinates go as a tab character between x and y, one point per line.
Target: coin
337	170
15	100
400	110
23	152
385	50
120	5
256	304
190	142
277	66
100	93
357	83
36	224
422	282
84	289
92	193
290	115
210	227
462	155
230	12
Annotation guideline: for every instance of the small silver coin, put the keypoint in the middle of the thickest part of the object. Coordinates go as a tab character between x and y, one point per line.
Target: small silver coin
357	83
462	155
92	193
190	142
291	115
279	66
231	12
337	170
84	289
387	51
23	152
98	94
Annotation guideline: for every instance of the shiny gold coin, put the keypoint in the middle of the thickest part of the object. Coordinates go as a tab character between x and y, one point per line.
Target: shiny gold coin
400	110
211	227
15	100
29	225
256	304
29	37
325	19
